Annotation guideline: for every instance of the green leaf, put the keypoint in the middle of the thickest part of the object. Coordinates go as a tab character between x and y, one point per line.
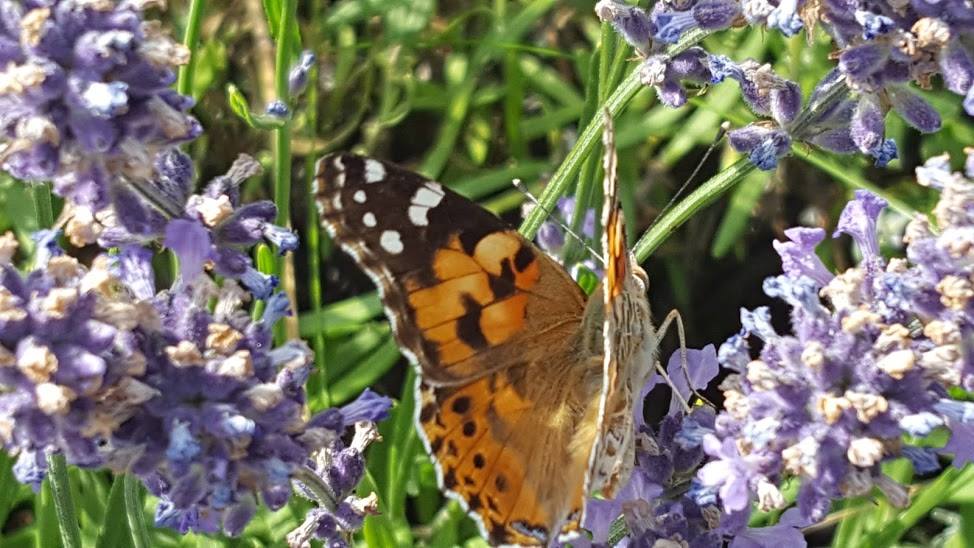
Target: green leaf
239	105
366	373
587	279
115	529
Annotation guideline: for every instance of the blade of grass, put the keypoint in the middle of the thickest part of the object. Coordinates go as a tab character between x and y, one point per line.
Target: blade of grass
135	512
928	498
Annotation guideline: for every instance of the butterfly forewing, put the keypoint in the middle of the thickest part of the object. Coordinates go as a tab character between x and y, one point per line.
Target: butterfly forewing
507	399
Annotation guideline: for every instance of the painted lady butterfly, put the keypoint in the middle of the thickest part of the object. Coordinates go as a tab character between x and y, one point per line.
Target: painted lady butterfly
525	392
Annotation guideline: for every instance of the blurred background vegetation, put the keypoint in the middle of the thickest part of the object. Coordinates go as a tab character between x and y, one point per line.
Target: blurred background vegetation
476	94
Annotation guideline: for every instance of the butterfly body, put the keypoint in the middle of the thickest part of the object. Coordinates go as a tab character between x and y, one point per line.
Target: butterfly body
525	387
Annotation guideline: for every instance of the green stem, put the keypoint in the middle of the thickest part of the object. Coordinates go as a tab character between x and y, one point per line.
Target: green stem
703	195
927	499
134	512
282	135
43	211
592	135
184	84
57	474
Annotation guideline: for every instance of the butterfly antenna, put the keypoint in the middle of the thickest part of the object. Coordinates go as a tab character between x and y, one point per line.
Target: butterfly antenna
518	184
713	146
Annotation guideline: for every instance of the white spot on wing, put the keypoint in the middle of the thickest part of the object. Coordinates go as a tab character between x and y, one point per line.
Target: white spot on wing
369	219
427	198
340	168
435	187
391	242
336	202
417	215
359	196
314	185
374	171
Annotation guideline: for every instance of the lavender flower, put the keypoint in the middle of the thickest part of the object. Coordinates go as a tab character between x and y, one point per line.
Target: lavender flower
228	424
297	79
85	96
669	497
211	227
71	363
330	483
885	51
831	402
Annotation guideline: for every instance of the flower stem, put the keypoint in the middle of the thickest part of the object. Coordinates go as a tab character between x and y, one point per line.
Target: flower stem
43	211
57	473
184	84
134	512
591	136
282	135
703	195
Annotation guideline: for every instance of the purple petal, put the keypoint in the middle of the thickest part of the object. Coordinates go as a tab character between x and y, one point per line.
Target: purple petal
798	256
914	109
190	241
868	123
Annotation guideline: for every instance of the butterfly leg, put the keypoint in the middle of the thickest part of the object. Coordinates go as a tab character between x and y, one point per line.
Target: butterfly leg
674	318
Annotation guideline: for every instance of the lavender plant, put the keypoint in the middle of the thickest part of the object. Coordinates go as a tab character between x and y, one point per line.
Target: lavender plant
864	377
885	50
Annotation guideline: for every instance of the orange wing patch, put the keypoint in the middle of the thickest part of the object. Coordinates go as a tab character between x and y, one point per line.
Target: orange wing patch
470	430
478	297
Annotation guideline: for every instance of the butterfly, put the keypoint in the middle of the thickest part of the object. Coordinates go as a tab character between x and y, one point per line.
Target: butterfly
524	398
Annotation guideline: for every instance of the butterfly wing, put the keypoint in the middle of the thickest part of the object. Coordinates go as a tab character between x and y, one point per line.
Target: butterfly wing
629	343
492	323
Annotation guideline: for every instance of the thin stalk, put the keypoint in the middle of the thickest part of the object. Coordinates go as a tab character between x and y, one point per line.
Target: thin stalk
134	512
312	233
282	135
702	196
282	139
43	211
57	474
187	72
591	136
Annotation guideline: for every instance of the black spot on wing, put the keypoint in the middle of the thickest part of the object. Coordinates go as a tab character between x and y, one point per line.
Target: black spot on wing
461	405
468	325
469	428
450	479
504	285
523	258
428	412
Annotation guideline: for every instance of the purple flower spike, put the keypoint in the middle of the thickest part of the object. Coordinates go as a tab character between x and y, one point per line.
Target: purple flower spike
88	98
798	256
632	23
858	220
